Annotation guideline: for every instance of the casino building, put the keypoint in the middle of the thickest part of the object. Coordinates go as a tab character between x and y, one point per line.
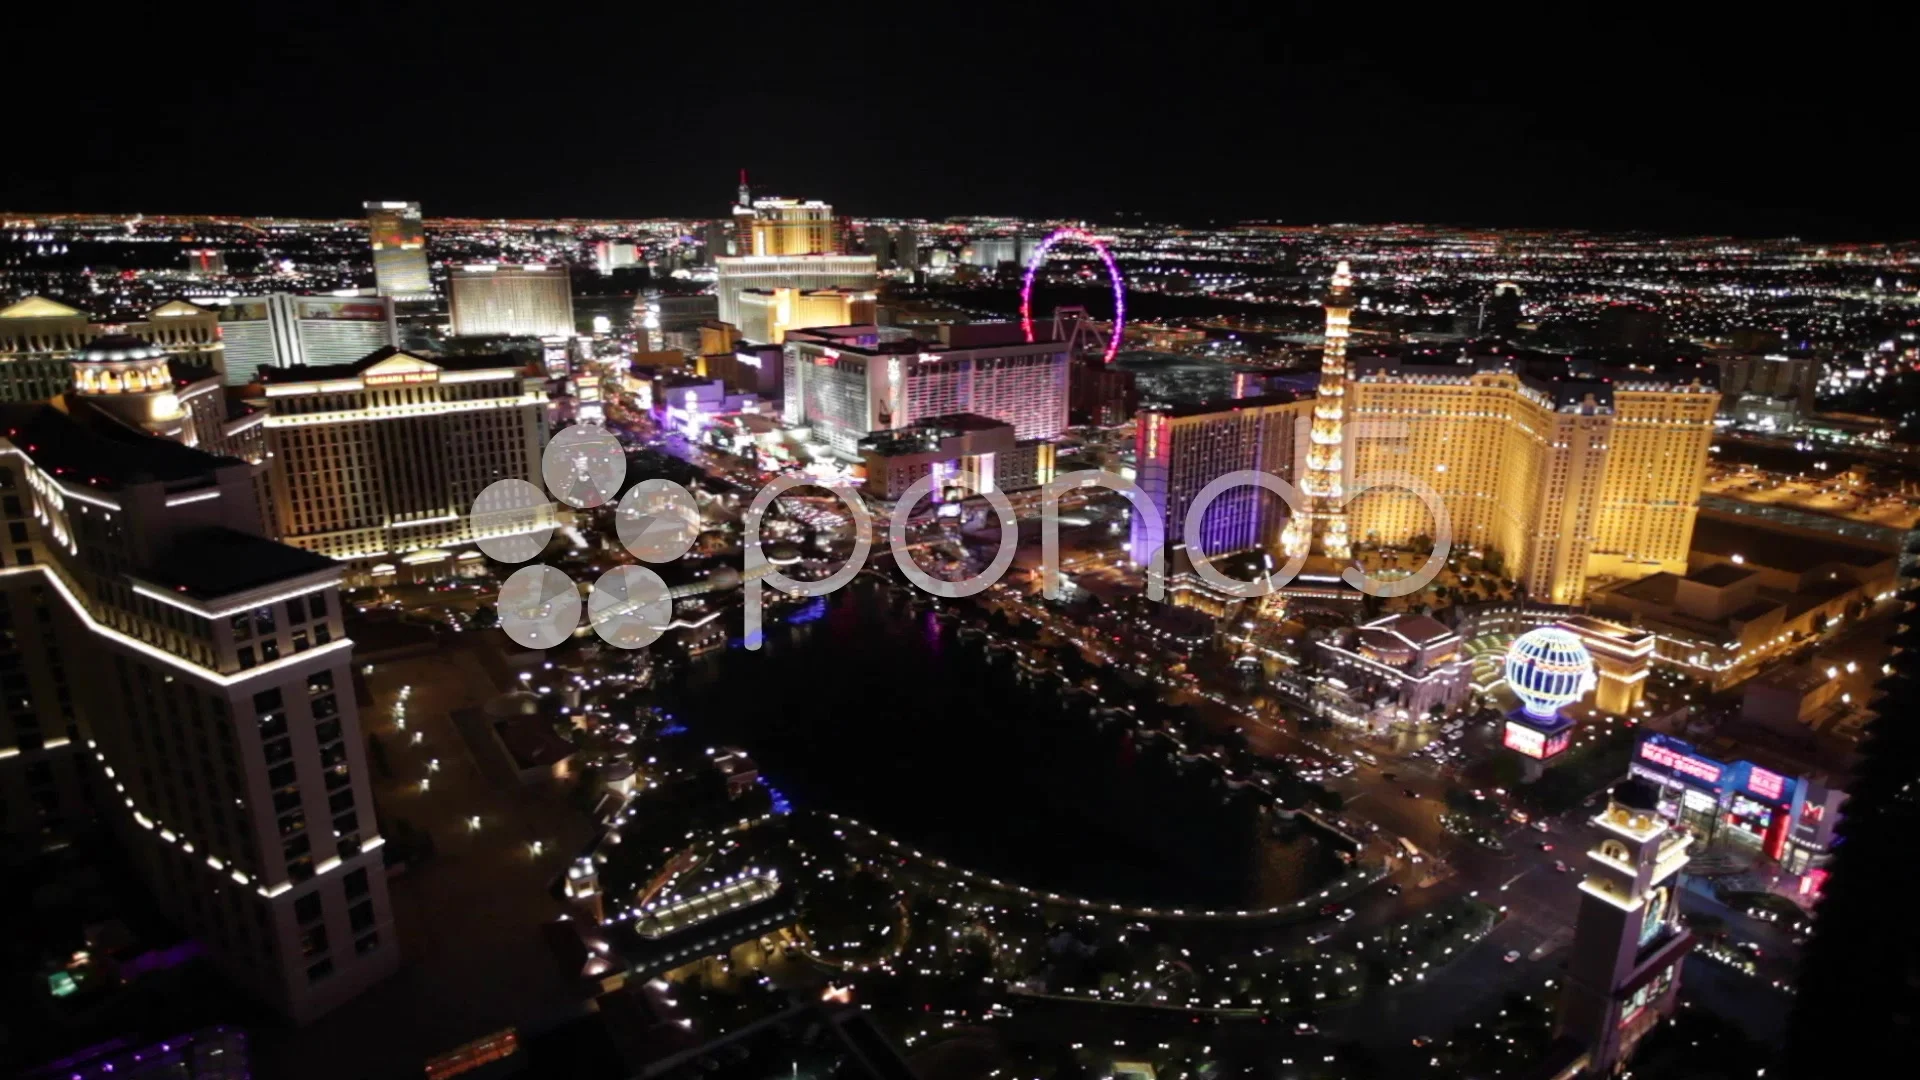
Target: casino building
846	382
157	649
378	462
1393	671
1788	816
1569	470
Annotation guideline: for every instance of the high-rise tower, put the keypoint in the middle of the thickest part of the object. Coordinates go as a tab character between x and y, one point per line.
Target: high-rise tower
1322	530
1623	974
399	249
746	193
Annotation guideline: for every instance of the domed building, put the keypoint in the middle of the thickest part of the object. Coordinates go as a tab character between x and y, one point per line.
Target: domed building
132	380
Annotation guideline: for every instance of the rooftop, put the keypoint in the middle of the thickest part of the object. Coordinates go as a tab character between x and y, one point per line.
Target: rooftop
1721	575
303	373
1566	380
1227	405
89	449
206	564
1780	549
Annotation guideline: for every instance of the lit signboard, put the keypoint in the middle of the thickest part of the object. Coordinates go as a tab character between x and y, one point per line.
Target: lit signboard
408	377
1525	740
1768	785
1684	764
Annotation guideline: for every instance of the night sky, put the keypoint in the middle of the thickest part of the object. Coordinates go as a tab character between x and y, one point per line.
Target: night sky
1625	117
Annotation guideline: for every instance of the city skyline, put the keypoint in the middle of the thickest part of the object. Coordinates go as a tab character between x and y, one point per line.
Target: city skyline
1299	543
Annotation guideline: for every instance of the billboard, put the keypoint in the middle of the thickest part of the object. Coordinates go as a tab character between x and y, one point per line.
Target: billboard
1676	759
1524	739
348	310
244	311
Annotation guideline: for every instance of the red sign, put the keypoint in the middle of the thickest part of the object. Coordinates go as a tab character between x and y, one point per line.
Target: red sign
1680	763
1525	740
1767	785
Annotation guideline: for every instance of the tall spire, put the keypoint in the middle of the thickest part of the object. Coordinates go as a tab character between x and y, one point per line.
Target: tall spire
746	193
1322	529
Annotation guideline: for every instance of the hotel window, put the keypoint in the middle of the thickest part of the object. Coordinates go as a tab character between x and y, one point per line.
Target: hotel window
307	908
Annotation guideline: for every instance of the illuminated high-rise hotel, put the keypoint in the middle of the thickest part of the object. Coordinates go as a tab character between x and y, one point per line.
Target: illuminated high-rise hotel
379	462
197	675
534	300
847	381
399	249
793	227
1322	530
1568	471
1179	450
803	273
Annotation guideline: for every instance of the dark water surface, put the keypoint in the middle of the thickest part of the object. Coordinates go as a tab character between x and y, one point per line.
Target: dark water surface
884	713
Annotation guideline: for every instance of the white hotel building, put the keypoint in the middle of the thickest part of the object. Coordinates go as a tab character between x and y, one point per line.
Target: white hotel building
194	675
530	300
379	462
848	381
805	273
283	330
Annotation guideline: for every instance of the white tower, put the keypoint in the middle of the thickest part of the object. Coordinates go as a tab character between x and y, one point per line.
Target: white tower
1623	975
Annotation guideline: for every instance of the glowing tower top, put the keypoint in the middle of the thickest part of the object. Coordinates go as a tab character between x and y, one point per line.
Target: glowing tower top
1322	530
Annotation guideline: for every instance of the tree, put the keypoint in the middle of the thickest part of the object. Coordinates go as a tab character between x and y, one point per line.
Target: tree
1494	562
1507	771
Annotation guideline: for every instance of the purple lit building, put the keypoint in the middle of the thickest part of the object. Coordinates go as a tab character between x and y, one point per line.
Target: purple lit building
1179	450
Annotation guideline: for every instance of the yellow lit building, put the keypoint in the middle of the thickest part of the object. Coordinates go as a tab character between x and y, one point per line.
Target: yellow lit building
767	314
1569	474
793	227
380	461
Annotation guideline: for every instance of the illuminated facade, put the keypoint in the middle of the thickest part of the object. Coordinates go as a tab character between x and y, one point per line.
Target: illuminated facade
40	338
132	380
283	330
1398	670
1785	812
488	299
382	459
1623	973
399	250
1179	451
766	315
1622	657
966	454
1569	475
806	273
197	676
847	381
1322	530
793	227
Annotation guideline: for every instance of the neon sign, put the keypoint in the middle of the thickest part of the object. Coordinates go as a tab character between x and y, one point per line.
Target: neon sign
1686	765
406	377
1525	740
1766	784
